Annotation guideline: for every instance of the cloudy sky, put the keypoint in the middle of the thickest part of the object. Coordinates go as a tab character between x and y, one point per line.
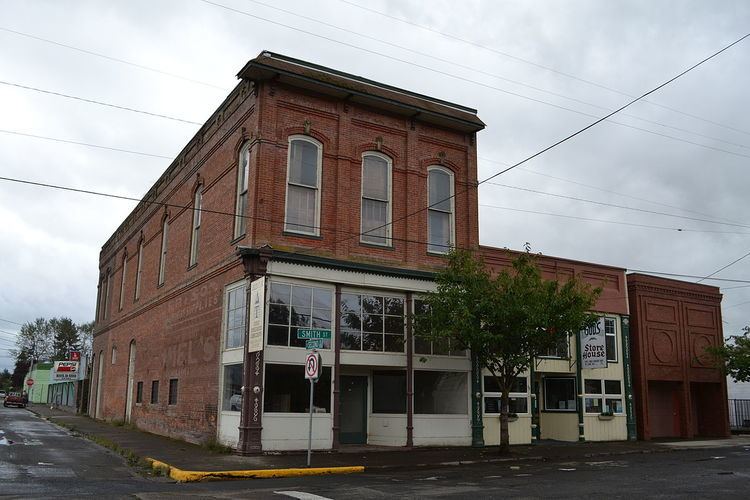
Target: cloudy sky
536	71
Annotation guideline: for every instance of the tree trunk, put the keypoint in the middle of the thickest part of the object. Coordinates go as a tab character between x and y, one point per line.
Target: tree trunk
504	435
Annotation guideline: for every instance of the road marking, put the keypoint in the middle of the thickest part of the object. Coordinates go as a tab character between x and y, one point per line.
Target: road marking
431	478
566	469
492	477
301	495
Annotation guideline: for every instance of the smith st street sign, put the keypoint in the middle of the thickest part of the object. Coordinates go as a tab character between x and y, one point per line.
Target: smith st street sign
313	333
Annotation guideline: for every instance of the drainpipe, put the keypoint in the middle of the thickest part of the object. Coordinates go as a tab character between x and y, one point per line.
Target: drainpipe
579	388
477	426
627	375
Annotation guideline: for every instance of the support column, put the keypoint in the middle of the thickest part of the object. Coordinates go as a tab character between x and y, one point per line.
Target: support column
337	370
477	425
628	377
579	389
534	393
255	262
409	370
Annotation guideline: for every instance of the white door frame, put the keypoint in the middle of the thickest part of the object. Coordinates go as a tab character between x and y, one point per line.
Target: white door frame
131	375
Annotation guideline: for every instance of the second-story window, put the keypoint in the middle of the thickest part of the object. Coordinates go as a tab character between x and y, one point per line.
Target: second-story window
139	270
440	214
122	281
376	199
197	206
243	173
303	186
106	295
163	255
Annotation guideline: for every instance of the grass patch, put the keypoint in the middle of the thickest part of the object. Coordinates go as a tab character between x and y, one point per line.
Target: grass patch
215	446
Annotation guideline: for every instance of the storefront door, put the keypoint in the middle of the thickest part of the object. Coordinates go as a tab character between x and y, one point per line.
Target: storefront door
353	410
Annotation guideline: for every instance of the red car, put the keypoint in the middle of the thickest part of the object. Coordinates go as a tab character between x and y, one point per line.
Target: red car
15	399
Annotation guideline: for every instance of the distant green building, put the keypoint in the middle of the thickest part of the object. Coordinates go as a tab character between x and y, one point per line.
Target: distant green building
40	373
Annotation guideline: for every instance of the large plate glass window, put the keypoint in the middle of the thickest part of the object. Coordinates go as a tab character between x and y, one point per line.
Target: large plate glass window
560	394
372	323
389	391
442	347
440	216
303	186
235	311
231	399
440	393
518	401
287	390
292	307
376	199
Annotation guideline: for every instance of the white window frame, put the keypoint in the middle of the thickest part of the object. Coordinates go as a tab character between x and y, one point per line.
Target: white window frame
139	271
464	354
243	185
603	395
106	294
389	212
516	395
196	227
392	294
553	357
613	321
452	176
225	316
316	230
163	254
122	281
299	283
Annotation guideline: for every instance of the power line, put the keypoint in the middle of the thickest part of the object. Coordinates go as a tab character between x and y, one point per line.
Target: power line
607	221
687	276
468	80
537	65
736	305
100	103
624	207
561	141
12	322
110	58
493	75
721	269
734	287
87	144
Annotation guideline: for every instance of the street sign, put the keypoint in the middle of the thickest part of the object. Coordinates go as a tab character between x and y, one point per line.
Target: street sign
313	333
30	382
74	356
65	371
312	366
311	344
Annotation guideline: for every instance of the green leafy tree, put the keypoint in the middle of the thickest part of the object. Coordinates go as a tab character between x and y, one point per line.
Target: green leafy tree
34	341
86	336
65	337
507	319
19	373
5	379
734	356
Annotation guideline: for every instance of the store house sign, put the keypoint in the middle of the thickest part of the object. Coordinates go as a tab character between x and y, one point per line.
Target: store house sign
65	371
594	346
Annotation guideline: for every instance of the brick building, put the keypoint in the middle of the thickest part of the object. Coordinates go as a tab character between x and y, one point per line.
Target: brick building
303	178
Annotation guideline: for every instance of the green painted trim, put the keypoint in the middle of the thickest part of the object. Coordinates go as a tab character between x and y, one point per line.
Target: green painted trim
579	389
627	375
477	423
536	424
341	265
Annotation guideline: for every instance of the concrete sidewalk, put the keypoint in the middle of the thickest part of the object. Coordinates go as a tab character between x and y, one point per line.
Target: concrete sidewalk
183	456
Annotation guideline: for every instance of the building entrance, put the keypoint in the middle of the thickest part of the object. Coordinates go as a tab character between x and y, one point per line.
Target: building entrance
353	410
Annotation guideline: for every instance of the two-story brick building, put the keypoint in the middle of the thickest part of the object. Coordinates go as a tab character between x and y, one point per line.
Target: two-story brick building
313	198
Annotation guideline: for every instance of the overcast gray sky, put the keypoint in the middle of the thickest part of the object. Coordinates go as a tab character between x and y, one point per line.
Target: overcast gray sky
534	70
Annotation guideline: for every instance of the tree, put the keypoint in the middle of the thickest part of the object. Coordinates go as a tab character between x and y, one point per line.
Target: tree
733	358
34	341
5	380
19	373
86	336
66	337
505	320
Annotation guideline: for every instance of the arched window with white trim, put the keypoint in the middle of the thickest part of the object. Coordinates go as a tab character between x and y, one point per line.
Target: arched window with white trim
304	165
243	174
376	199
195	233
441	210
163	252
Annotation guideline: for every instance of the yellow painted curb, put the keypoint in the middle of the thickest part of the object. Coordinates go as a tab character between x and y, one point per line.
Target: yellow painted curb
188	476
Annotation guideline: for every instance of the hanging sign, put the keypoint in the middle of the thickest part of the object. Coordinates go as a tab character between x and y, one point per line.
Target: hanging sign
257	308
594	346
65	371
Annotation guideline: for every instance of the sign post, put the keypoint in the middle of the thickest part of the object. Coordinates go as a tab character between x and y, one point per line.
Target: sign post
312	373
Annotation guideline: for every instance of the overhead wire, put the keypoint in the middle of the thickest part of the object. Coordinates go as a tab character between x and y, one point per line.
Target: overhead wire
725	267
87	144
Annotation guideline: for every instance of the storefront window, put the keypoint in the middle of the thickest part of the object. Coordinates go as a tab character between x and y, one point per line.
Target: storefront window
235	316
288	391
560	394
389	392
372	323
442	347
292	307
597	401
518	401
440	393
232	394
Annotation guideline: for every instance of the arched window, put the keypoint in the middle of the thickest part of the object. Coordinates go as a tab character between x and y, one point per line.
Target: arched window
195	234
139	270
304	167
243	174
122	280
376	199
440	212
163	254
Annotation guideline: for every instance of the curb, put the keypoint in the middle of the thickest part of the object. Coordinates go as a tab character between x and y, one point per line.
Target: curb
187	476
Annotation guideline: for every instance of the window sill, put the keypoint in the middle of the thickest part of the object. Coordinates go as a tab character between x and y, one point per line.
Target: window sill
302	235
437	254
191	266
366	244
238	239
159	285
559	411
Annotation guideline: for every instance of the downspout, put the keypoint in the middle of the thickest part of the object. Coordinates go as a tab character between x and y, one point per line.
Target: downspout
579	389
627	375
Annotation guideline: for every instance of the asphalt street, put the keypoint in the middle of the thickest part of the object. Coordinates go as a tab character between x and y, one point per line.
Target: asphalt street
46	461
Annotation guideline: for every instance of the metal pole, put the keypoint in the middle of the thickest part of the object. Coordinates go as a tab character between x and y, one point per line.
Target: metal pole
309	430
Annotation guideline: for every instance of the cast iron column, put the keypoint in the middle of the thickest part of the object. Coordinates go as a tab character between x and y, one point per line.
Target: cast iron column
628	377
337	370
477	426
409	371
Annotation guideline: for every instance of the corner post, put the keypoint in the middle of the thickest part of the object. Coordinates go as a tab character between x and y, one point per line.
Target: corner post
579	389
409	370
627	375
337	371
477	425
